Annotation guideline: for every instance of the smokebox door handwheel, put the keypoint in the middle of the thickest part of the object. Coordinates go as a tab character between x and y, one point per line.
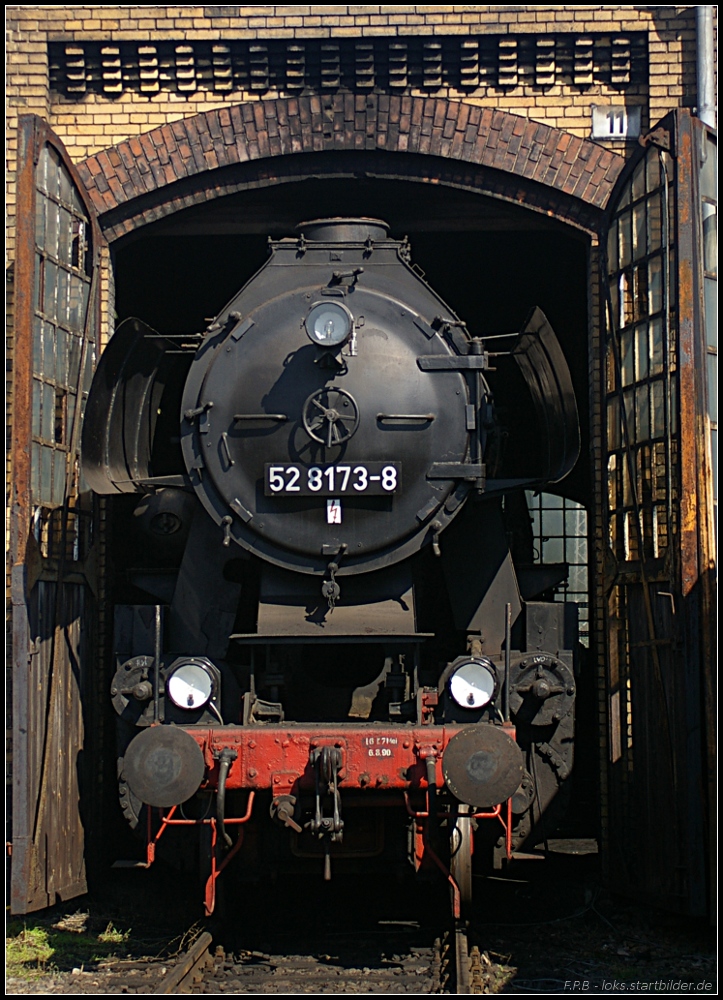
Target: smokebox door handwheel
330	416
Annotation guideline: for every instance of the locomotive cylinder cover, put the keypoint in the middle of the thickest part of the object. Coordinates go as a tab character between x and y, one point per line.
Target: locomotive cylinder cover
309	427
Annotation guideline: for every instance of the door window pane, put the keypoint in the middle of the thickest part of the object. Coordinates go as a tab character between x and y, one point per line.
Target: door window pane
614	535
639	234
35	470
625	239
46	474
642	366
655	226
657	416
627	491
613	423
51	228
642	414
655	284
37	345
50	288
48	365
37	401
47	412
611	380
629	404
61	355
613	257
613	478
59	477
653	172
656	346
65	236
627	359
62	296
38	290
40	207
626	298
41	171
78	300
641	291
66	187
71	411
638	184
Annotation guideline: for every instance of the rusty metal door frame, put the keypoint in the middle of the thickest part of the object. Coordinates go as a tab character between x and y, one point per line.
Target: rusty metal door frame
698	531
46	864
659	602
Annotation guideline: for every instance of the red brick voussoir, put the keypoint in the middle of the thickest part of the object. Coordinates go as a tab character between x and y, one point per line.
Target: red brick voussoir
562	164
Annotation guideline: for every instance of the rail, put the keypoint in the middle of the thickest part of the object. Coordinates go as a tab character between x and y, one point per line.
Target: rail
182	974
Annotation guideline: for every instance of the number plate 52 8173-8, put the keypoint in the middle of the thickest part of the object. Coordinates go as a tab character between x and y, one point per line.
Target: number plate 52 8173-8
352	479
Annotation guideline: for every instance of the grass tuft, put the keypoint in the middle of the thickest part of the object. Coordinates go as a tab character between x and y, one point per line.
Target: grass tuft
35	946
27	951
112	936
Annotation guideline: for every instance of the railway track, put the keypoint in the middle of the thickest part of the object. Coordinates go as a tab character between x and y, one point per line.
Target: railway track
352	936
449	966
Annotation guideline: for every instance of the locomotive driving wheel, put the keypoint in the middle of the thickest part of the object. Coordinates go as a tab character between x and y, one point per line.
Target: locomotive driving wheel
460	850
460	866
330	416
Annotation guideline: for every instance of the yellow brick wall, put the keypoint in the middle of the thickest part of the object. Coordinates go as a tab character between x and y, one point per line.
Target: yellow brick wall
95	122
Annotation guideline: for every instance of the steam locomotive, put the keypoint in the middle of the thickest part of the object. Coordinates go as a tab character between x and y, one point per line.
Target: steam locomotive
332	649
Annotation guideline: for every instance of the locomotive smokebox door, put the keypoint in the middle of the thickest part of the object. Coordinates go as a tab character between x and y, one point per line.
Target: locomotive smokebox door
309	426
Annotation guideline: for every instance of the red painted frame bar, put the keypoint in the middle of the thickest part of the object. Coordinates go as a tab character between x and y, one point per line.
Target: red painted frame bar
278	757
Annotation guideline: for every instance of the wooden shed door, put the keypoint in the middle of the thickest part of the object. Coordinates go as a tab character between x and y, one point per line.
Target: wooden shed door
657	517
53	543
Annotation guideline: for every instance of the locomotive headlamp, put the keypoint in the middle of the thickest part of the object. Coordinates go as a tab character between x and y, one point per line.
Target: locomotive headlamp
472	685
190	685
329	324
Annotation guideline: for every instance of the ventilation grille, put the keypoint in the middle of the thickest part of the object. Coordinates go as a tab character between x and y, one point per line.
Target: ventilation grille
470	65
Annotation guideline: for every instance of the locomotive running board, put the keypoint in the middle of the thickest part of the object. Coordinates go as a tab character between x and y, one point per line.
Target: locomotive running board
291	608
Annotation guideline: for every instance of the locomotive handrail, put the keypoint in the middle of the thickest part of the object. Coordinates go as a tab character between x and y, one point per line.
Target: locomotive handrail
452	362
456	470
406	416
261	416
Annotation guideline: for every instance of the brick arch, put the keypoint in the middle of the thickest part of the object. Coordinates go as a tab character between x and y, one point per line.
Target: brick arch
169	168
